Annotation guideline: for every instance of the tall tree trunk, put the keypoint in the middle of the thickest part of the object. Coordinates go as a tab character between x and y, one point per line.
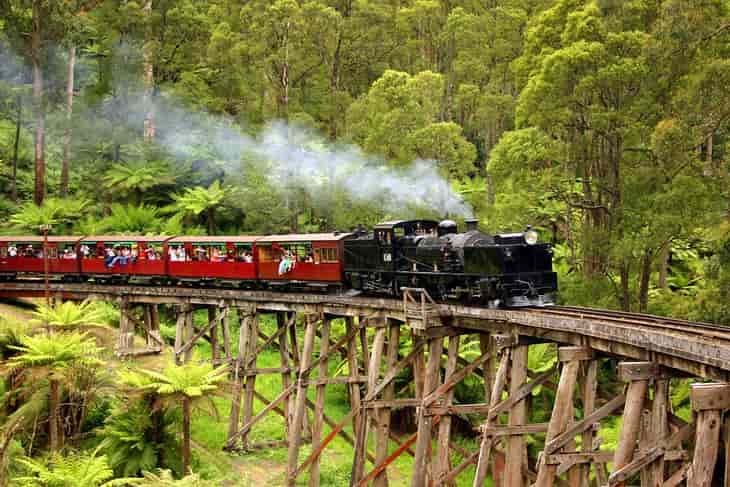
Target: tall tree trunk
625	296
663	266
16	150
335	85
39	192
186	436
69	115
644	278
54	399
149	81
211	221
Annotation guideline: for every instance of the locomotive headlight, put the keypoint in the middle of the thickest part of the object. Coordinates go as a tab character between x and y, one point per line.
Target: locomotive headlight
530	237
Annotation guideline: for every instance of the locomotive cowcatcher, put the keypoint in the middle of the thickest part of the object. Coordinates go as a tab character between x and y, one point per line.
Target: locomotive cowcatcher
505	269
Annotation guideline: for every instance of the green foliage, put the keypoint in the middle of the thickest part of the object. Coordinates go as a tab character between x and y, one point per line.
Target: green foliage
198	200
59	213
164	478
132	180
189	380
74	470
138	438
69	316
133	220
54	353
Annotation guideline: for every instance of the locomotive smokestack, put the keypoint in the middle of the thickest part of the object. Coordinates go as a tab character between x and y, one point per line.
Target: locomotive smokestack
471	224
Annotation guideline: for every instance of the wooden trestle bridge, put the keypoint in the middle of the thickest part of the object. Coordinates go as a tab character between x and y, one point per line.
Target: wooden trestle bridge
655	447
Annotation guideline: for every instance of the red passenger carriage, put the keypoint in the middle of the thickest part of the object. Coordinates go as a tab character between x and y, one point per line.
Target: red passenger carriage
312	258
123	256
228	258
24	255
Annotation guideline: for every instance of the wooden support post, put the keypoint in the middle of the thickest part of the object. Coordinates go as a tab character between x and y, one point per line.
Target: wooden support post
639	374
709	400
126	328
354	372
726	442
243	337
659	425
514	464
154	338
281	323
589	390
227	334
295	357
318	421
179	332
376	357
425	421
213	313
250	386
381	442
300	406
443	463
485	449
189	332
562	409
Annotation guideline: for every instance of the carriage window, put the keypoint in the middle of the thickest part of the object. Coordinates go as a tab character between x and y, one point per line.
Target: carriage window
325	255
244	253
52	253
399	231
3	252
65	251
151	252
384	237
209	252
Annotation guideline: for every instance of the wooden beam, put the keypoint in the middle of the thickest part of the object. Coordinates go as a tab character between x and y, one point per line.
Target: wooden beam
442	465
317	423
425	423
634	406
514	472
707	445
485	447
568	354
561	415
710	396
393	373
633	371
582	425
382	435
295	437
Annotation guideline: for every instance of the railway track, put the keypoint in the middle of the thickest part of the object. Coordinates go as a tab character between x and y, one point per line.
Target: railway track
708	330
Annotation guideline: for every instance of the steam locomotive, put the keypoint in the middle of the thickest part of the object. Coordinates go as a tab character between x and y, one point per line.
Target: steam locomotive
496	270
506	269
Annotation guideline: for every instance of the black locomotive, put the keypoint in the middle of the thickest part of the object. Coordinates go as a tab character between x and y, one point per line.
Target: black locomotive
505	269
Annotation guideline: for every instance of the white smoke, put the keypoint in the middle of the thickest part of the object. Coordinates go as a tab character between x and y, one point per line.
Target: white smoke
297	155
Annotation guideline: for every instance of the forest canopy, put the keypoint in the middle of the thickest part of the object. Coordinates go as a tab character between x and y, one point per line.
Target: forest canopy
603	124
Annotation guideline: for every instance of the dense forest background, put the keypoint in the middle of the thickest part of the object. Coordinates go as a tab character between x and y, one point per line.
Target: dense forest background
603	124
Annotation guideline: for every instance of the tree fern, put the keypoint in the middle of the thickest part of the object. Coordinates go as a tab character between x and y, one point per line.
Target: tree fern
137	438
185	386
75	470
69	315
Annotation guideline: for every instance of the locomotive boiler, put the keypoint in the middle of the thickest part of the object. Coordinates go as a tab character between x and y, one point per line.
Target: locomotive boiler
497	270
